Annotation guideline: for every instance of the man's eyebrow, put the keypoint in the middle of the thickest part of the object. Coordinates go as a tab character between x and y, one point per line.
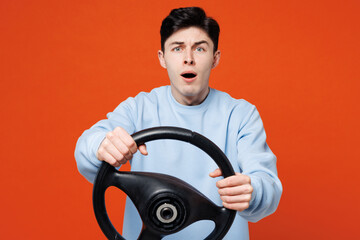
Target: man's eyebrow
176	43
201	42
195	44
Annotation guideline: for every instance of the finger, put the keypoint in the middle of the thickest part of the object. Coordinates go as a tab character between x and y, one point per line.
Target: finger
107	157
112	150
215	173
232	191
237	206
129	143
235	180
127	140
121	150
125	151
143	150
109	153
105	147
236	199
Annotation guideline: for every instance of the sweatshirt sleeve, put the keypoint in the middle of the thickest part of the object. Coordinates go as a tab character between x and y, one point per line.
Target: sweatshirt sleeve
259	163
89	142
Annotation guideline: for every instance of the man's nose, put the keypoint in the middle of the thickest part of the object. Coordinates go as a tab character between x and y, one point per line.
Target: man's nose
189	58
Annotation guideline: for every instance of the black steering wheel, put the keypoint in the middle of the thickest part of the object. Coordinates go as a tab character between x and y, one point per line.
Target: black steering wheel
166	204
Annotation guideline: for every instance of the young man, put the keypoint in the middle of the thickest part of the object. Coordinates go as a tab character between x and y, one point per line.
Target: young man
189	41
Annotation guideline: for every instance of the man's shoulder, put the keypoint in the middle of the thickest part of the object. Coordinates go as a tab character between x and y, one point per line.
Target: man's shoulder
152	97
154	93
226	99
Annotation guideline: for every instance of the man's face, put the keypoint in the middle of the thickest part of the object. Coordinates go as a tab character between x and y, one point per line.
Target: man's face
189	57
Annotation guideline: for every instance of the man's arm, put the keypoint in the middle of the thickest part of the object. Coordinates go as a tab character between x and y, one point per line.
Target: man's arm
255	192
106	141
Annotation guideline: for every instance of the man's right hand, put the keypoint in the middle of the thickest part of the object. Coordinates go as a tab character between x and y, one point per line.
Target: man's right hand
118	147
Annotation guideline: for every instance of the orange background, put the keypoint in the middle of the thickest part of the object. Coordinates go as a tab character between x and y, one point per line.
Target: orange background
65	64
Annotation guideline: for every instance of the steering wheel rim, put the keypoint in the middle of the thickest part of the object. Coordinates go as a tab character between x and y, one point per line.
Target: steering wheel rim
103	181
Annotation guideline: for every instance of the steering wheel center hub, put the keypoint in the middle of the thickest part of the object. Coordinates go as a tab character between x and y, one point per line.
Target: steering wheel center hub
167	212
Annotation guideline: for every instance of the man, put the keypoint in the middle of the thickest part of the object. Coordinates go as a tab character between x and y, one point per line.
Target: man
189	41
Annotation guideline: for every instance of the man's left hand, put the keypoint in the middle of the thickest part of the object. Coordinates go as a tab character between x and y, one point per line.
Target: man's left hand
235	191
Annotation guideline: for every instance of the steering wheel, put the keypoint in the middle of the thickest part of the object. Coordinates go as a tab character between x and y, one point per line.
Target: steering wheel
166	204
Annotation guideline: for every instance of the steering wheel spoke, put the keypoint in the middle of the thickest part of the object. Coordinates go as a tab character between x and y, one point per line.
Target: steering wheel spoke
204	209
146	234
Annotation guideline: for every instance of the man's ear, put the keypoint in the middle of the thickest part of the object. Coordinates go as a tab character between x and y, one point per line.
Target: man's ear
161	59
216	60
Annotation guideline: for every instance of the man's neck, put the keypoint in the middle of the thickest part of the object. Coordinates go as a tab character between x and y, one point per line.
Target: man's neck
191	100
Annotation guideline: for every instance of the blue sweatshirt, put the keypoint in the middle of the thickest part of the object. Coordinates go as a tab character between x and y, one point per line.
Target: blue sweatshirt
233	125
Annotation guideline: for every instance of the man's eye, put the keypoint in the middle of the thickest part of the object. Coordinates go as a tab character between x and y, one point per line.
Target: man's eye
176	49
200	49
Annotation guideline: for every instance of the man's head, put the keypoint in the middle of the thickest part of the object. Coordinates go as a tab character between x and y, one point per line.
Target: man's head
189	53
189	17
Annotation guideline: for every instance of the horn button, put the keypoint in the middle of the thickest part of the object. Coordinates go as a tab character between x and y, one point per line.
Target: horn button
167	212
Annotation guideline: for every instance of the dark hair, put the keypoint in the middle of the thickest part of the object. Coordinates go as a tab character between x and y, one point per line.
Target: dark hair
189	17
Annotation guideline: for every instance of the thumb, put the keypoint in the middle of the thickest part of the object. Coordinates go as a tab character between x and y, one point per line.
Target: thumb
143	150
216	173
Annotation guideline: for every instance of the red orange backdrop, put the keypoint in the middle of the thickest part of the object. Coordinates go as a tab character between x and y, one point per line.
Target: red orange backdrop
65	64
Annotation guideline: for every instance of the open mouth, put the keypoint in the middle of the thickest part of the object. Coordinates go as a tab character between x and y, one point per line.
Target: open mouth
188	75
